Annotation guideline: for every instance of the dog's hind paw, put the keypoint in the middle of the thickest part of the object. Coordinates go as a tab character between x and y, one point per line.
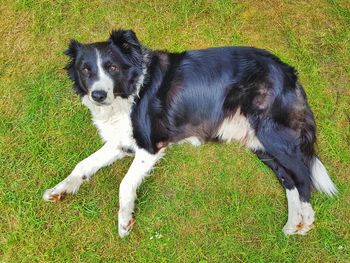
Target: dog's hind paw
302	223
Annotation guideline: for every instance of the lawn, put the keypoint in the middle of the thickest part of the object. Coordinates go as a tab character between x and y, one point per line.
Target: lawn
199	205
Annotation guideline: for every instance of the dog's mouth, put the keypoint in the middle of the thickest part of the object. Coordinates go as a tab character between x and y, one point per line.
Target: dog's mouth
101	103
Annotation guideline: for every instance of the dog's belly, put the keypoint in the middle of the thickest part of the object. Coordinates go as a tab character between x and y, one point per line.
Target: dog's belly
237	127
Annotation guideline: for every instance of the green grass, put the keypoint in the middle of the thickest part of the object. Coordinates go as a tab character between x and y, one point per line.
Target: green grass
199	205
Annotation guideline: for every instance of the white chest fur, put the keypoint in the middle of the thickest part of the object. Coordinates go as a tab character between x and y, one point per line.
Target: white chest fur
113	121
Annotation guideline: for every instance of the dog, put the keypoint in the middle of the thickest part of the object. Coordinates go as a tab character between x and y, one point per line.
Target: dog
143	100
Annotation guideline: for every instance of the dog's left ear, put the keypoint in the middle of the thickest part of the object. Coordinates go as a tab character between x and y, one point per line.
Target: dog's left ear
126	40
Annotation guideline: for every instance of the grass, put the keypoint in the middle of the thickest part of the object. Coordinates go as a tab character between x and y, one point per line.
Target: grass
200	205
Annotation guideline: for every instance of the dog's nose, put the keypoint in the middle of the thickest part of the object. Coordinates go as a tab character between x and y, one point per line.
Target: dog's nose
99	95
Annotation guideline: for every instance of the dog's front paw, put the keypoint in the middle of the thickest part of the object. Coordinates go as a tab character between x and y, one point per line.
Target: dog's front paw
125	224
53	195
70	185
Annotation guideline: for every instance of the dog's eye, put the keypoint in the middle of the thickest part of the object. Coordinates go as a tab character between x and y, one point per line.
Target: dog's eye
85	70
113	68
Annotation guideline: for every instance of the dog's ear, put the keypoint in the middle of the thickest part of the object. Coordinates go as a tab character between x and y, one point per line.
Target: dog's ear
126	40
130	46
73	49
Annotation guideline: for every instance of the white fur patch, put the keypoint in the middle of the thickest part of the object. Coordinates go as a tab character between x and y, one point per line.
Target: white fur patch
195	141
113	121
238	128
320	178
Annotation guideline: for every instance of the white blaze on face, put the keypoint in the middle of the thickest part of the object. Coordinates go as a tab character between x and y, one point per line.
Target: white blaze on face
104	82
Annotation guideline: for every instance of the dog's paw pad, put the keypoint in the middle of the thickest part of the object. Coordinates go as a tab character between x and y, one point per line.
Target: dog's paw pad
58	197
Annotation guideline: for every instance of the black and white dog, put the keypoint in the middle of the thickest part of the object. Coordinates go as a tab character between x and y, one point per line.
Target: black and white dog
143	100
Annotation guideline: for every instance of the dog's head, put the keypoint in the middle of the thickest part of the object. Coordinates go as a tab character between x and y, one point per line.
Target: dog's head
105	70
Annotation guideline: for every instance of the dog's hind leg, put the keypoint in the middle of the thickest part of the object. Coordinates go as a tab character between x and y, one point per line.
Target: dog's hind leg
139	169
83	171
300	213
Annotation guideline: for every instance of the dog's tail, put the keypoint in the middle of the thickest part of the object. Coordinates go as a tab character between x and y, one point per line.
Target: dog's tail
320	178
318	173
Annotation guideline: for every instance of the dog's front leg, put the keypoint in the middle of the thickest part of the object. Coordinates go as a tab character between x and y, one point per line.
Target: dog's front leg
84	170
139	169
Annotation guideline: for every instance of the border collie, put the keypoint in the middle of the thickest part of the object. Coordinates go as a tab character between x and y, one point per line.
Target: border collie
143	100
